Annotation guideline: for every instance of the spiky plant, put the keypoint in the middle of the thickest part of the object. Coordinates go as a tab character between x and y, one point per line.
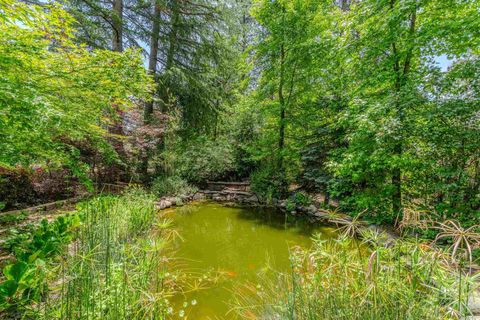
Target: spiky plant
413	218
350	227
462	238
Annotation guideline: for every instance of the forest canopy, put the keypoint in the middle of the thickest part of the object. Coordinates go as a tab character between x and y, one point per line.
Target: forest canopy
344	98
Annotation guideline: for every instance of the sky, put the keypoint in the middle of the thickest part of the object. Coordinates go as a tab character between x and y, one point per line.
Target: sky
443	62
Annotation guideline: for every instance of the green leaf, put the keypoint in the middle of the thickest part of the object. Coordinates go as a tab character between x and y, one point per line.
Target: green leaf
8	288
15	271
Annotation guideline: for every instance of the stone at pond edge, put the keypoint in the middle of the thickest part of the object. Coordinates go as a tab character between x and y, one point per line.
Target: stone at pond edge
171	200
474	303
160	205
253	198
199	196
321	214
311	209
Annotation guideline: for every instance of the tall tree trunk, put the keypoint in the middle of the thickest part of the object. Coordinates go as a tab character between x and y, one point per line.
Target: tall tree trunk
172	38
152	61
117	171
400	79
117	22
281	100
152	70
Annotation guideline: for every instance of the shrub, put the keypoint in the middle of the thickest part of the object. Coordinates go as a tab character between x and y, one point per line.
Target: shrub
171	186
46	240
16	188
268	184
22	187
205	159
25	281
302	199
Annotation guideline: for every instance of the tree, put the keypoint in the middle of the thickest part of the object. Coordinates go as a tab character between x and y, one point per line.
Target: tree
56	95
390	47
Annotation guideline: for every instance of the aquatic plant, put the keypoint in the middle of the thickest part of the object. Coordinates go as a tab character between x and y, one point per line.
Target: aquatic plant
408	280
117	266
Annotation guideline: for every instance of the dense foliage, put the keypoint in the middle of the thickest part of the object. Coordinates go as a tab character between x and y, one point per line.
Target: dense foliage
25	280
55	94
373	105
354	103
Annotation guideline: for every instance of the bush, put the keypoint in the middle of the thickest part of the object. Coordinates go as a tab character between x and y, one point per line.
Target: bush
172	186
204	159
25	281
16	188
302	199
298	199
23	187
268	184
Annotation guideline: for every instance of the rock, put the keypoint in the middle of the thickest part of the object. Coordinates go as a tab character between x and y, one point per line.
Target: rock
199	196
172	200
474	303
311	209
321	214
160	205
252	199
167	203
217	198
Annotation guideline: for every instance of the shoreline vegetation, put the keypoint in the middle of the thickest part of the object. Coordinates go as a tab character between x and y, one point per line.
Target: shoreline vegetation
111	259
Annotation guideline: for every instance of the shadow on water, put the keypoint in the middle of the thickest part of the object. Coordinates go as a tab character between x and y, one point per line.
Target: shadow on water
279	220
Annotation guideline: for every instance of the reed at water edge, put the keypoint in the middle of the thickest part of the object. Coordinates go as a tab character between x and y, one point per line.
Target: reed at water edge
117	266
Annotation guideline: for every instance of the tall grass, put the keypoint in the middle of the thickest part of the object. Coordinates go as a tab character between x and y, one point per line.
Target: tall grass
408	280
116	267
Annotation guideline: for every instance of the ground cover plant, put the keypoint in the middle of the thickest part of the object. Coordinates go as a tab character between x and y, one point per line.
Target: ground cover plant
108	260
34	251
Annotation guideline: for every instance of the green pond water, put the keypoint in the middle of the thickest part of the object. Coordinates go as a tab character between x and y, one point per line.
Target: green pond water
241	244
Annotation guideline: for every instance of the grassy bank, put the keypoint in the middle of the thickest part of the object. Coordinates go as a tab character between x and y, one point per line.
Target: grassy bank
110	264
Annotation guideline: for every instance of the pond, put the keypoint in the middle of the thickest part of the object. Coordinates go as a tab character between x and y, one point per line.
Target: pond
240	244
